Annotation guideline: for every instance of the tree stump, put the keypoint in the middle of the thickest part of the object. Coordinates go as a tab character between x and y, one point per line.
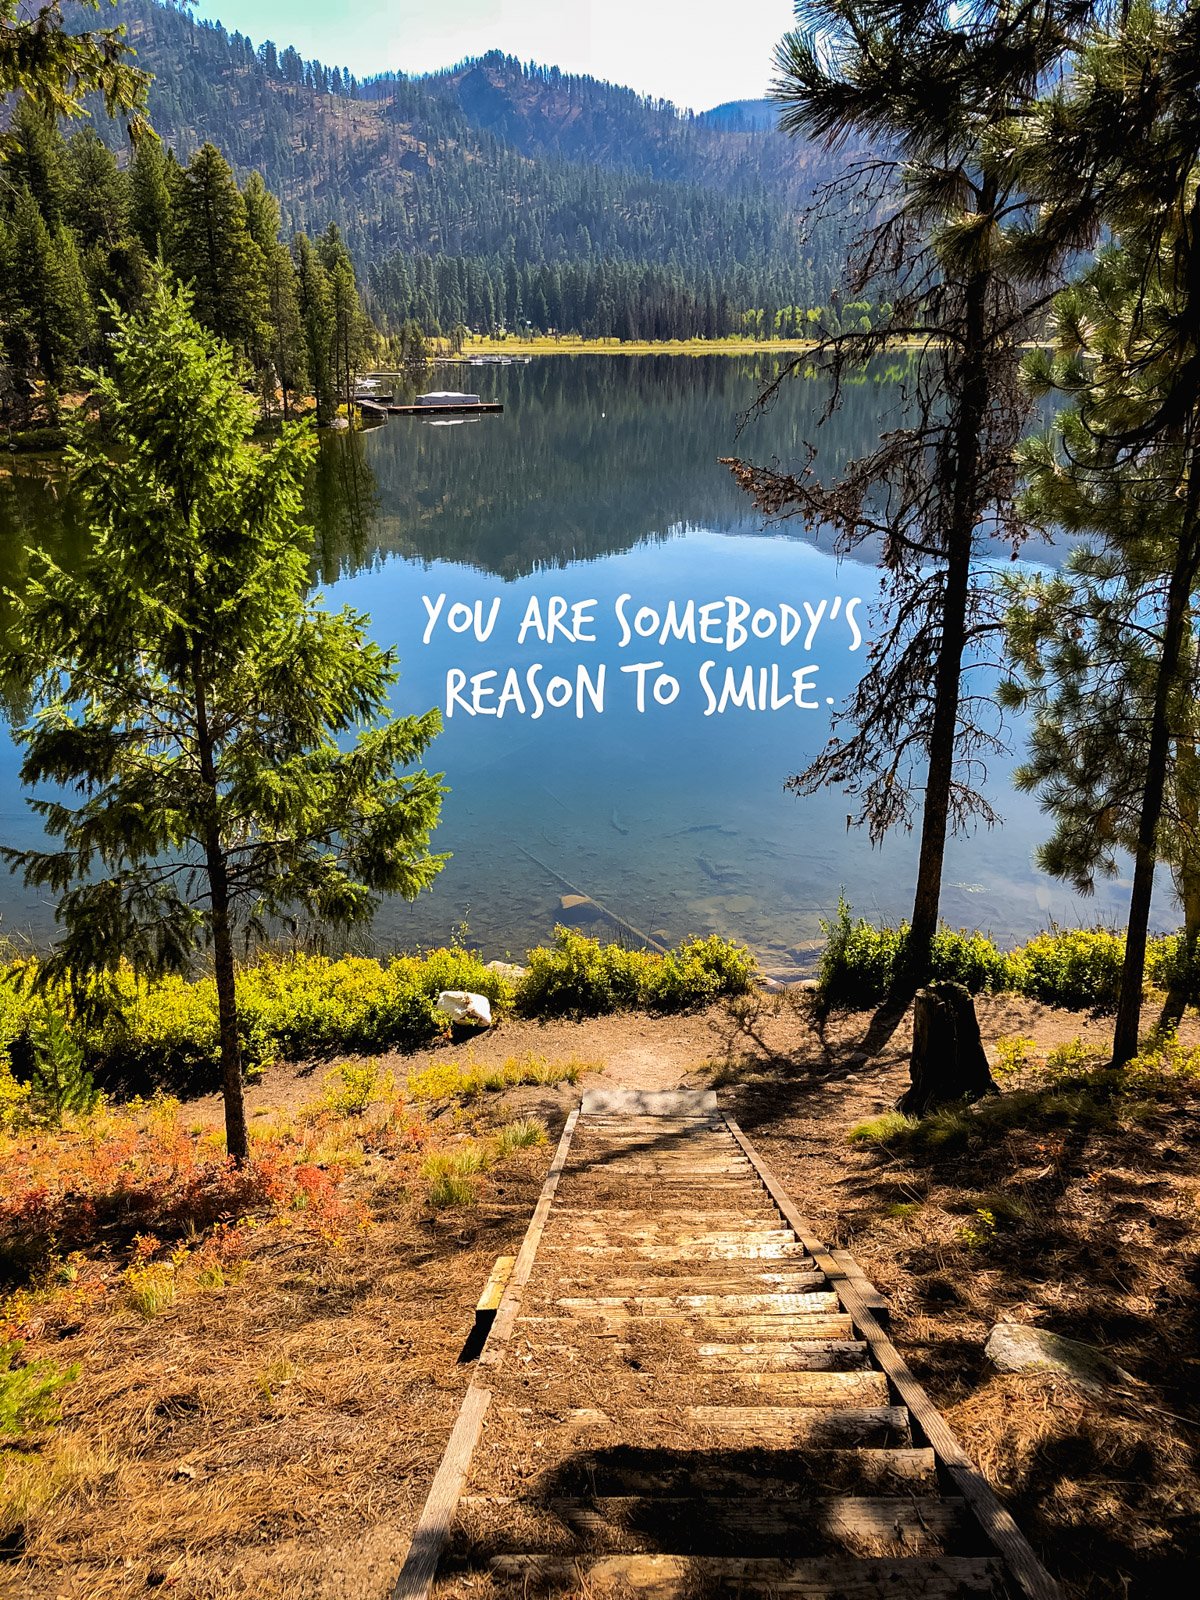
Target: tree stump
948	1060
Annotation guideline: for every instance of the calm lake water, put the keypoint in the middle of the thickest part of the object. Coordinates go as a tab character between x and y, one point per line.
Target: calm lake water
601	480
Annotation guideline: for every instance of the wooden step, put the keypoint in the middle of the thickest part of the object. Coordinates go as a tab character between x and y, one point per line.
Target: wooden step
764	1330
708	1304
622	1104
671	1577
678	1235
613	1308
637	1224
619	1354
797	1355
769	1525
813	1426
673	1387
733	1278
750	1250
708	1473
736	1216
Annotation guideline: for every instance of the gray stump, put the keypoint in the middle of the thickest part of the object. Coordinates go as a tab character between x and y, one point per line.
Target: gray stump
948	1060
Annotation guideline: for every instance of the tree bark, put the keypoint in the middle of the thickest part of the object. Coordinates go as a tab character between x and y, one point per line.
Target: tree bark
236	1138
943	731
1145	859
237	1142
948	1061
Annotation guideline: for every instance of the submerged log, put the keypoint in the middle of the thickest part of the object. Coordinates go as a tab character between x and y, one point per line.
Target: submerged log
948	1060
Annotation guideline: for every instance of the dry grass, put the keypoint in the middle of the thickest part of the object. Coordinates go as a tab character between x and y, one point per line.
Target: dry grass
259	1409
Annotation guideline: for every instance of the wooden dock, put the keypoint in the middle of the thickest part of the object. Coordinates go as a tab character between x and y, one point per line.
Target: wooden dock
685	1393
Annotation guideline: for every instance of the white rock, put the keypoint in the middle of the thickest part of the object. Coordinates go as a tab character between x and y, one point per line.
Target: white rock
462	1006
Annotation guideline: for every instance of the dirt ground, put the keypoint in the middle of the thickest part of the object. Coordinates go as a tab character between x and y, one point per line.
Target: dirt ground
276	1438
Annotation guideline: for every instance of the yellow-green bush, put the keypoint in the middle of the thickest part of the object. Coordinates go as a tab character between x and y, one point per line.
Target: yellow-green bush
145	1033
859	960
581	977
1078	968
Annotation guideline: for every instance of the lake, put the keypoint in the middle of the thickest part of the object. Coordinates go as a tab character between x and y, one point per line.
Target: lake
599	481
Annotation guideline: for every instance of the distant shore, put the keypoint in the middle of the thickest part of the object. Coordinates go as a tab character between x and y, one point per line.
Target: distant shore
576	345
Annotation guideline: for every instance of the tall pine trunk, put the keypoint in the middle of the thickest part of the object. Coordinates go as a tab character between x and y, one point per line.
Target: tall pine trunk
236	1138
237	1142
1145	859
960	538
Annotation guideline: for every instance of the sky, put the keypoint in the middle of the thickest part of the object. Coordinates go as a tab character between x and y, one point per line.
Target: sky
697	53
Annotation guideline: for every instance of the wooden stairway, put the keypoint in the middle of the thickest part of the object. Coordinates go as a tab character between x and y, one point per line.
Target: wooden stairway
685	1393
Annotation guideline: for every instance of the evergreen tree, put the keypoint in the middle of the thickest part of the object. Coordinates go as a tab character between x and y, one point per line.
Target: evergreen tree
213	252
36	160
348	326
282	331
198	698
1117	146
316	315
150	202
97	194
941	92
52	66
50	318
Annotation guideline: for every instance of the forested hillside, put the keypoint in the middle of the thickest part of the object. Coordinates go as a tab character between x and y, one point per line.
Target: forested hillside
495	195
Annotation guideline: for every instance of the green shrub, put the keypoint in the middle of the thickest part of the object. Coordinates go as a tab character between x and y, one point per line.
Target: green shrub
1079	969
1014	1054
1174	965
1069	1059
29	1390
581	977
968	958
859	960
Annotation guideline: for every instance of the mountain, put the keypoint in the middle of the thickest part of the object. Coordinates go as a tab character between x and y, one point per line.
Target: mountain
463	193
743	116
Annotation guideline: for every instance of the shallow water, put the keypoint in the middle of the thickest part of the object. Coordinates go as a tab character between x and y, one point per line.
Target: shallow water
601	479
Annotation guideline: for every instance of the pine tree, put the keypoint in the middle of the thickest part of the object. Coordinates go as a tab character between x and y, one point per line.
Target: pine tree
316	315
213	252
53	66
282	333
36	160
51	319
229	737
97	194
952	248
150	204
1117	145
349	327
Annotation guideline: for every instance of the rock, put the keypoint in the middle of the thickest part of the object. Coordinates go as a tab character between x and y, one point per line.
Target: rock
466	1009
511	970
1014	1347
577	909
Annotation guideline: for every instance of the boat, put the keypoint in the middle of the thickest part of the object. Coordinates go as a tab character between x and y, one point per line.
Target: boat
448	397
443	401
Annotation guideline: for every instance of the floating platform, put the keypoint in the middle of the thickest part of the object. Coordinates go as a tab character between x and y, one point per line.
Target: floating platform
440	411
